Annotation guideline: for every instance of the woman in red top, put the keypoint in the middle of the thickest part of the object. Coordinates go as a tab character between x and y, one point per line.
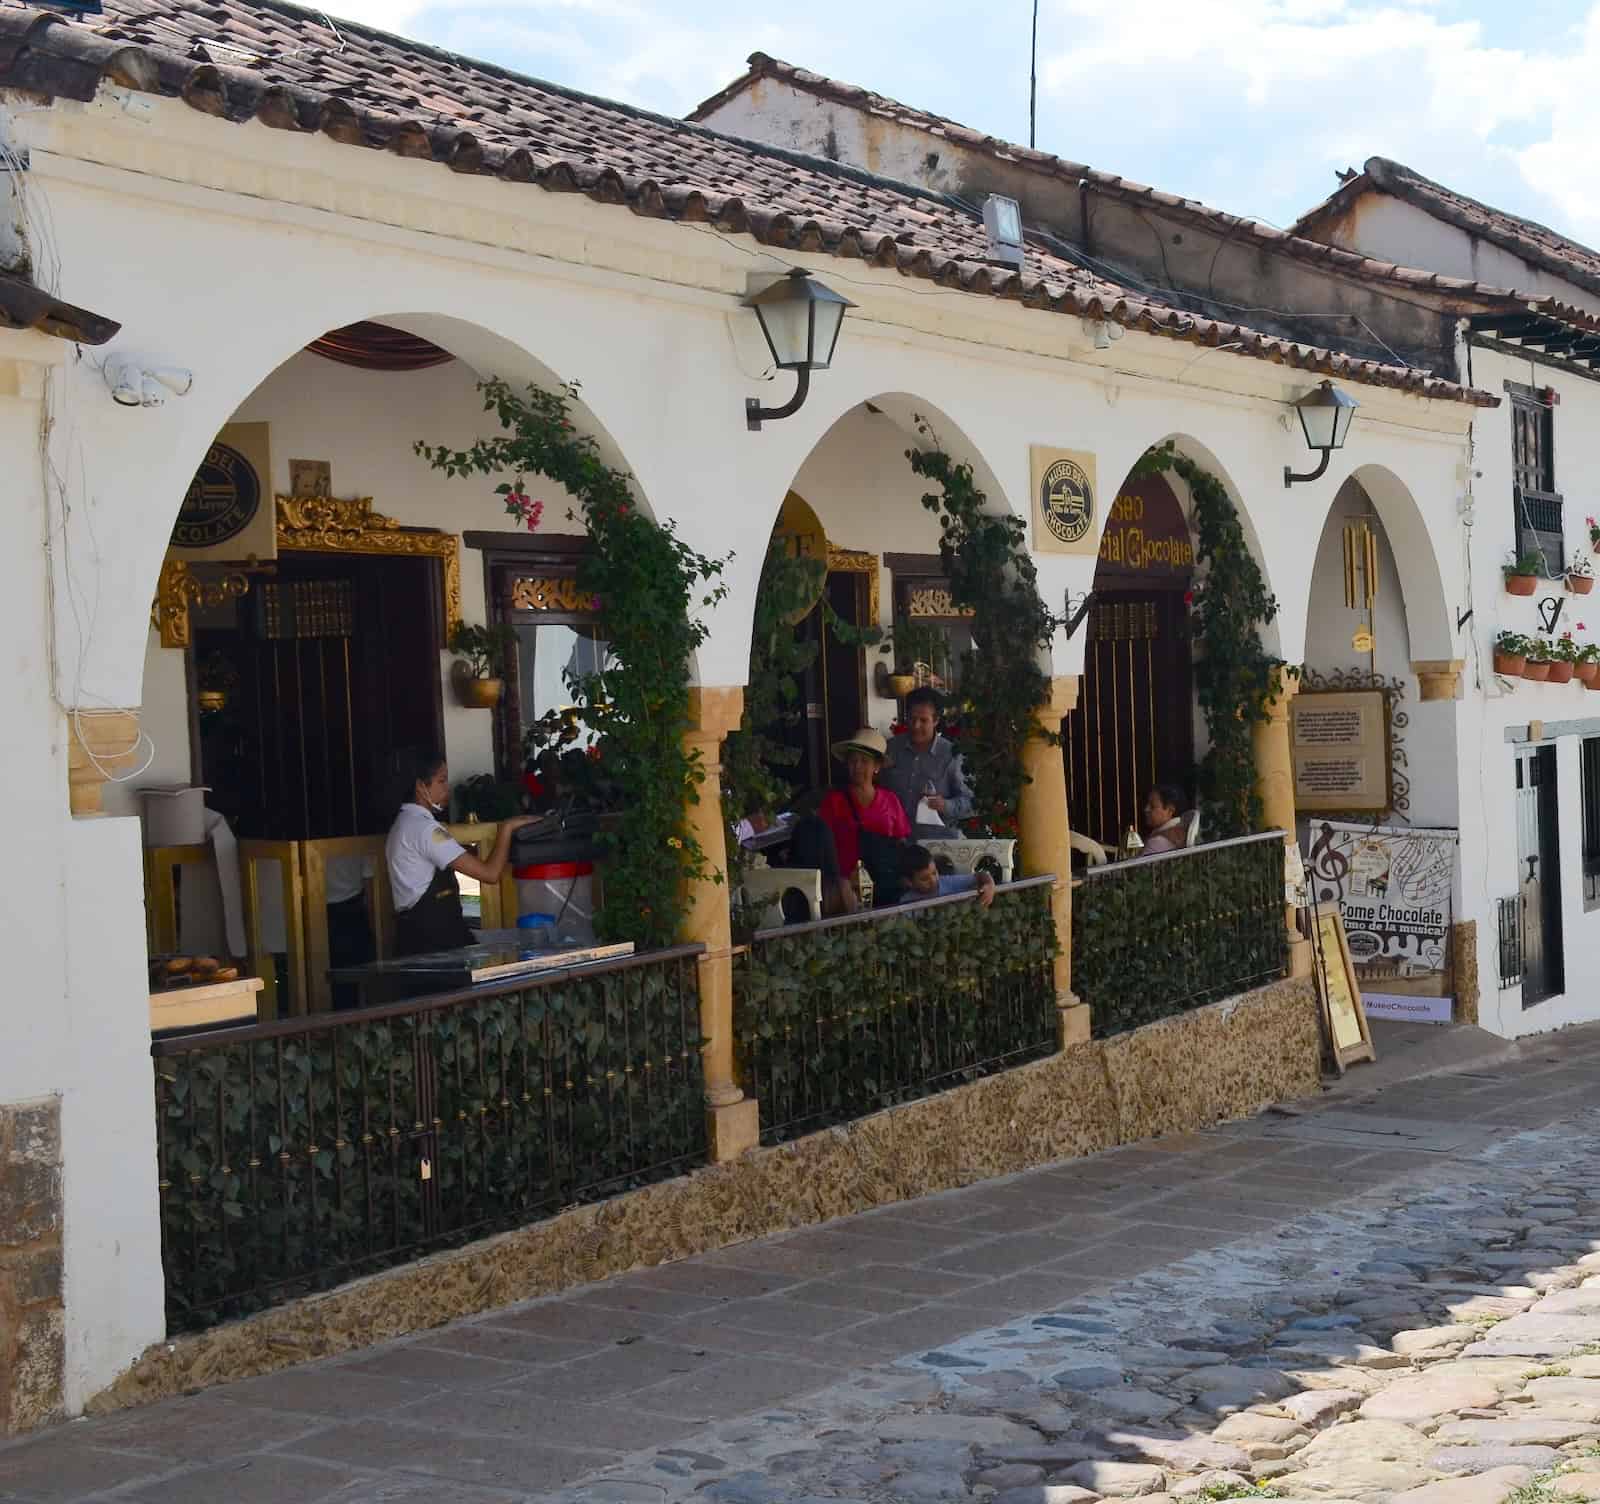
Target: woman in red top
873	809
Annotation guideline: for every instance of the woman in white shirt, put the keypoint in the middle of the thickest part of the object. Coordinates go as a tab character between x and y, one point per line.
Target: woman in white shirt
424	859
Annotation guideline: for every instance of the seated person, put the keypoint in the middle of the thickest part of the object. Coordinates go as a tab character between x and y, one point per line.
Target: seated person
923	770
924	880
1163	820
861	810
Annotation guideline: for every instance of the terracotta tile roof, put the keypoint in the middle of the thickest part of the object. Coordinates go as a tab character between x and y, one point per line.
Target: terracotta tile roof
1287	242
1536	244
291	69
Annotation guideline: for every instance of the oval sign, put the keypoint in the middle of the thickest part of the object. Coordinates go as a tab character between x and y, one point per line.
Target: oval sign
1364	945
221	501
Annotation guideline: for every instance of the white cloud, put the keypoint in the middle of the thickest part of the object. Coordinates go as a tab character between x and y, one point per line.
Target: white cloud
1274	94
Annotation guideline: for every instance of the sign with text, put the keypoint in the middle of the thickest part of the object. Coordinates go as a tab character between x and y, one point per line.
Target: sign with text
1341	751
1065	501
1146	537
1394	891
228	512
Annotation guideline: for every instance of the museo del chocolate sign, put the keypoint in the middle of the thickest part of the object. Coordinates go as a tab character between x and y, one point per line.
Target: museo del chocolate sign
1146	540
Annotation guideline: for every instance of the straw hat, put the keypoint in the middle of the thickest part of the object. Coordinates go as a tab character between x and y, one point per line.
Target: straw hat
865	740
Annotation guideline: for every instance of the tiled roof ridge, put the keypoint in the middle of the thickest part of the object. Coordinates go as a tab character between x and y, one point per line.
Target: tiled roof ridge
45	53
1522	236
764	65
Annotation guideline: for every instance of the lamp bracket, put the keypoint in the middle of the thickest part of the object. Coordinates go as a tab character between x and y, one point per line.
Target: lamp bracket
755	414
1550	609
1075	618
1462	620
1290	478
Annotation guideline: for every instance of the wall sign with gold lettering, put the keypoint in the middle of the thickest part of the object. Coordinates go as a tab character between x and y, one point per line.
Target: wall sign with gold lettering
1146	543
1341	751
227	512
1065	501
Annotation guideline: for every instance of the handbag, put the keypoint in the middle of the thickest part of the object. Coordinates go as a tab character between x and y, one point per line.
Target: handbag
556	837
880	855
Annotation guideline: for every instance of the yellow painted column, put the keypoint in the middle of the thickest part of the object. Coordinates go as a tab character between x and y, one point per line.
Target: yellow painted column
1043	832
1275	788
731	1118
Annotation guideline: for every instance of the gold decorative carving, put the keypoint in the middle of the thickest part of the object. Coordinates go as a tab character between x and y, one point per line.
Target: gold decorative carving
178	589
934	600
857	561
348	525
551	593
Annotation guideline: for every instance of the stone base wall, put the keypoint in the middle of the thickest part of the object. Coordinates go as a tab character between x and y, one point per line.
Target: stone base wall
1185	1073
32	1319
1464	961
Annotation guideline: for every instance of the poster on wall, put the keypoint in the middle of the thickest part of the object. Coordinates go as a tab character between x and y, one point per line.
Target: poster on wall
1340	742
1065	501
1393	888
228	512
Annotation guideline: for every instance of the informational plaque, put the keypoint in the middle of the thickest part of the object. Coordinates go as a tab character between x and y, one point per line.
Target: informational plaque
1066	502
1341	751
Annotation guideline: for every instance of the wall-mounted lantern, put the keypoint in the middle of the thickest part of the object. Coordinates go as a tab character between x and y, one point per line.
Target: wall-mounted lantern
1325	414
801	319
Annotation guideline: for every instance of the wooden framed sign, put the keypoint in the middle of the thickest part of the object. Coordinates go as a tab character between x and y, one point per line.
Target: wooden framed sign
1338	988
1341	751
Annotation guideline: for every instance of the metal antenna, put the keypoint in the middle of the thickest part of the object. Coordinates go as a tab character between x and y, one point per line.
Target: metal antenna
1033	79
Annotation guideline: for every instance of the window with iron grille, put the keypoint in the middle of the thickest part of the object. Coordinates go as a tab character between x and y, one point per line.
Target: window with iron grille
1510	917
1533	474
1591	822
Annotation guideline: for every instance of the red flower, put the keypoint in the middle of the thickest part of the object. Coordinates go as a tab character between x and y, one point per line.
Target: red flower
899	728
1188	597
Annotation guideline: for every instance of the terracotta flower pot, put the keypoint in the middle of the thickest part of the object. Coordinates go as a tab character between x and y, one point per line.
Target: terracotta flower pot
1585	672
481	694
1537	673
1580	584
1561	673
1521	584
1593	683
1512	664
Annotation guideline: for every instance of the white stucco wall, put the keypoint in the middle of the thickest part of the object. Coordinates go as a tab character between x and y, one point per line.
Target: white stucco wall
1487	761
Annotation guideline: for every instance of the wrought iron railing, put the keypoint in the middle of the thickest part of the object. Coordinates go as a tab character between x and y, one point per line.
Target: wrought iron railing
842	1017
299	1154
1162	934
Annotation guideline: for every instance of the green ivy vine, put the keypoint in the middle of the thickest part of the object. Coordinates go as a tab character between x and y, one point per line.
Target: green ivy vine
645	580
986	559
1235	677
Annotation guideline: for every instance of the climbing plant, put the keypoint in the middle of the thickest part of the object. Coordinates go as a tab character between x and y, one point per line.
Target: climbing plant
1235	676
985	557
754	756
645	581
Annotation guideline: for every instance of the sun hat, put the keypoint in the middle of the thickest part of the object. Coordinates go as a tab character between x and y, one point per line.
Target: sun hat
865	740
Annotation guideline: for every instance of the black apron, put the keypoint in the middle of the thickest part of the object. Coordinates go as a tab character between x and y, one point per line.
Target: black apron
434	921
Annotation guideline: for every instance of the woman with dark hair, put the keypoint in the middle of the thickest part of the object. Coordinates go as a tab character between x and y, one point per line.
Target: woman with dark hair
1163	819
424	859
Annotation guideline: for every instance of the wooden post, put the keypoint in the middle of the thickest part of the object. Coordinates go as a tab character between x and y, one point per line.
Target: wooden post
731	1117
1046	848
1275	788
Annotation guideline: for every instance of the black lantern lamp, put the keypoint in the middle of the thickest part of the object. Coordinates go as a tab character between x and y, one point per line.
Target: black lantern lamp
801	319
1325	414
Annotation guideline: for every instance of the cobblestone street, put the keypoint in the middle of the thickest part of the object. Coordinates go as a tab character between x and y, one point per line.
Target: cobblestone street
1389	1294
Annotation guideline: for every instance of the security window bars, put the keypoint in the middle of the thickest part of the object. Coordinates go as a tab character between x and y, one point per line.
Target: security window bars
1533	473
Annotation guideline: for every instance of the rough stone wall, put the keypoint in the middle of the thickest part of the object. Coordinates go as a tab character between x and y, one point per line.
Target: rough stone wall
1465	962
32	1330
1182	1074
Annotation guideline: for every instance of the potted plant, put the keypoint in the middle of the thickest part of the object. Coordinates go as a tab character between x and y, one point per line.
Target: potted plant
1537	668
1522	572
1587	670
920	651
1510	654
217	678
1563	659
482	652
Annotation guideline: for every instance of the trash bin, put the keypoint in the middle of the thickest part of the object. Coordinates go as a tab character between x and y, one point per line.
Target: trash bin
560	893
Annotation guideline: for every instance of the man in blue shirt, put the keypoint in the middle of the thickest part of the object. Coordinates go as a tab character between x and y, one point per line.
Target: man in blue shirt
924	880
924	771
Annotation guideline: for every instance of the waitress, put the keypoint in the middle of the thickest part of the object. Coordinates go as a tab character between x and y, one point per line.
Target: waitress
424	859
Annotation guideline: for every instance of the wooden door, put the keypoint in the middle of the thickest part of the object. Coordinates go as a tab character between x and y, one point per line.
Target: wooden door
1539	876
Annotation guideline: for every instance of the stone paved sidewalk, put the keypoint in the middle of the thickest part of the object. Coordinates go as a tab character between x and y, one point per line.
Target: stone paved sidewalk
1220	1312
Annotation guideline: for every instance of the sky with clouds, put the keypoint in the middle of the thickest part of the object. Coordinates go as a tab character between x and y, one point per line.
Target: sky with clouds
1248	105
